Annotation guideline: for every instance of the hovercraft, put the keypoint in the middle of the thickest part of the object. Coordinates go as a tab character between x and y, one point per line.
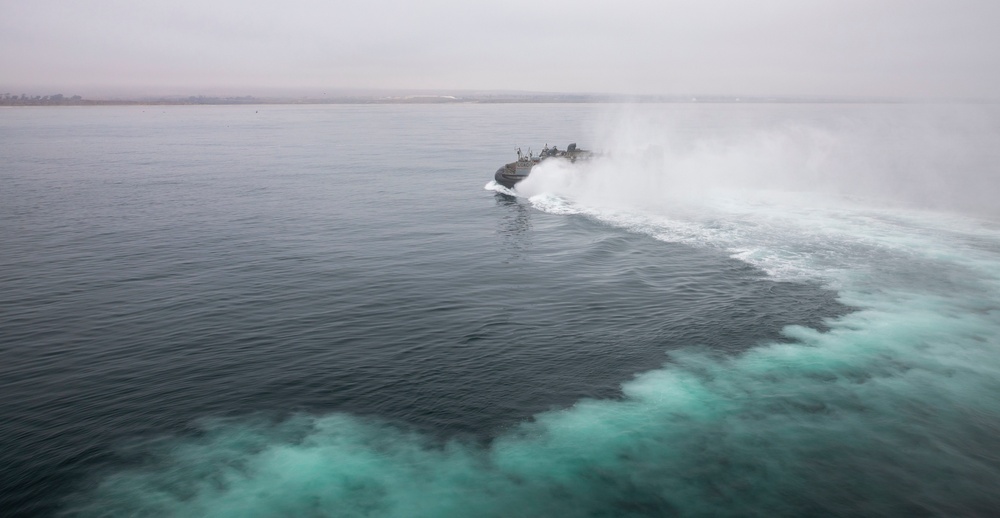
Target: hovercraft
514	172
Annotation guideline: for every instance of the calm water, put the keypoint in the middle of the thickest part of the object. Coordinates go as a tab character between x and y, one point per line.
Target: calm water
320	311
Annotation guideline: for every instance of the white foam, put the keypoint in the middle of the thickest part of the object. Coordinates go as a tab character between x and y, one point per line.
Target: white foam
553	204
791	236
495	187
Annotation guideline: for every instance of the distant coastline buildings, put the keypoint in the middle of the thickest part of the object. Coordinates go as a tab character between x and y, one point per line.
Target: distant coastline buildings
8	99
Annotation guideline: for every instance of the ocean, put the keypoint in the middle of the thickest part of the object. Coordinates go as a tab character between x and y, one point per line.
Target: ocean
733	310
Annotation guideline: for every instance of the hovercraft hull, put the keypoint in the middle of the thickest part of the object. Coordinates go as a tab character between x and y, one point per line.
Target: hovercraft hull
507	176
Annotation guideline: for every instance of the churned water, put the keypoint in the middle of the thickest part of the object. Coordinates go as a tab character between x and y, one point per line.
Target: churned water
320	311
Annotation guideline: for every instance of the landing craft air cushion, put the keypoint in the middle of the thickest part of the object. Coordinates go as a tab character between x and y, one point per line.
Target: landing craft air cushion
514	172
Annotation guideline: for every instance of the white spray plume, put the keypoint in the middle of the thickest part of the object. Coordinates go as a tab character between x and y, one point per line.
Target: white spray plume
939	157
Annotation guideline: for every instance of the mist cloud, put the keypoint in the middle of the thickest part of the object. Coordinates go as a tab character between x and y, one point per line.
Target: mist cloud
941	157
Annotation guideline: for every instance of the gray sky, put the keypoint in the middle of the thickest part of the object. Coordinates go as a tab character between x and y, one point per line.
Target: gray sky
913	48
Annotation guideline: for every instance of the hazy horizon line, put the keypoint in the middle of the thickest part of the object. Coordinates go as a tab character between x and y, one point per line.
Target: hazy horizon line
253	95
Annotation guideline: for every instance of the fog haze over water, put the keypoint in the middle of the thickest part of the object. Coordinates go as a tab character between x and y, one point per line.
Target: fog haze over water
895	48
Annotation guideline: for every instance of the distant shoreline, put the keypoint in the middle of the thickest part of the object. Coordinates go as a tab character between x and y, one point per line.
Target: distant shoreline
59	100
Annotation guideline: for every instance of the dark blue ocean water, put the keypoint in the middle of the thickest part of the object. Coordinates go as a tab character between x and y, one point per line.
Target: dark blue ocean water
319	310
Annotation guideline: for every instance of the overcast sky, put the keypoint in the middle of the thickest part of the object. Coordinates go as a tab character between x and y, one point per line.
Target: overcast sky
911	48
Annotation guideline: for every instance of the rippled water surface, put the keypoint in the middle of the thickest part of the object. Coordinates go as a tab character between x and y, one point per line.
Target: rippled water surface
319	310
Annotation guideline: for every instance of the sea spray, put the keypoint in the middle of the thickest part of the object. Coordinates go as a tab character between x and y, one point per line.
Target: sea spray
912	156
